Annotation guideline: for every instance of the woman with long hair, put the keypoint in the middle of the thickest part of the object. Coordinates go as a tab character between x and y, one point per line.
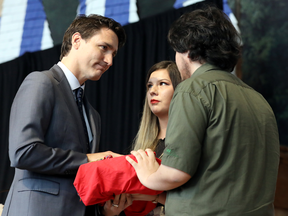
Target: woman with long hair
161	81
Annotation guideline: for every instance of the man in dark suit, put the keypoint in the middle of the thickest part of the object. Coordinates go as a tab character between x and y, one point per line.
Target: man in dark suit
49	136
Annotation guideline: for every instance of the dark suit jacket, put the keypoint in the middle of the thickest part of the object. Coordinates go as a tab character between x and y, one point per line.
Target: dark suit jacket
46	146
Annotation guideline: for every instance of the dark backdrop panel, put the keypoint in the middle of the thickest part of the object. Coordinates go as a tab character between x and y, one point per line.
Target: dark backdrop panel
147	8
118	95
12	74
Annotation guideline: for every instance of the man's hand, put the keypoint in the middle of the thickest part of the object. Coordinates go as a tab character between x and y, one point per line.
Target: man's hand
101	155
153	176
146	164
116	206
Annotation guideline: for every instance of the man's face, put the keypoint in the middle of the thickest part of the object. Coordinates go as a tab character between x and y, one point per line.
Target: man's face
182	62
95	55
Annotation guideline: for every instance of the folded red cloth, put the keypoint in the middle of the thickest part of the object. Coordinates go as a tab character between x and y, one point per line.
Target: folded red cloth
99	181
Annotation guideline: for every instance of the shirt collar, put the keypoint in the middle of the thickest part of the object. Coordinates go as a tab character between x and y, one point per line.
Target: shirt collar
72	80
204	68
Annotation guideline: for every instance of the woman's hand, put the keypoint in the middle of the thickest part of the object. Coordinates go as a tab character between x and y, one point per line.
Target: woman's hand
143	197
161	198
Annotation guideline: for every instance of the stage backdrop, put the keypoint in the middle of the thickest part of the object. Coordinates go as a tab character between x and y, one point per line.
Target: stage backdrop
264	30
33	25
118	95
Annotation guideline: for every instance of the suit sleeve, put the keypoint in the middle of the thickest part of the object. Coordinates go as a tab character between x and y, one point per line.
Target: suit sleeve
31	118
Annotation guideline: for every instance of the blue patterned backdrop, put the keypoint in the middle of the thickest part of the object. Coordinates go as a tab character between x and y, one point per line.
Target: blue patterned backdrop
24	26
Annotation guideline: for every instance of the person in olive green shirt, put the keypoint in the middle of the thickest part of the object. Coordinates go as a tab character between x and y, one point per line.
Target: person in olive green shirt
222	144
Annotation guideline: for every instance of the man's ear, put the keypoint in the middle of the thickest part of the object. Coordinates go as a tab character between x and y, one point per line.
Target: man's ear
76	40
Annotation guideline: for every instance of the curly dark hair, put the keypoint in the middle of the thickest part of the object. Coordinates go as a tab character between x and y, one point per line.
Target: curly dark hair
87	26
209	37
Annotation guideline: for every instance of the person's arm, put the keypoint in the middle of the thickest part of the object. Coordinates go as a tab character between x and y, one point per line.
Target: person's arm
154	176
159	198
185	133
31	120
41	140
101	155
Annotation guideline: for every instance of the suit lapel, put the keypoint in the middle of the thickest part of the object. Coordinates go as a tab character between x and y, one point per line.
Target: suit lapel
68	97
92	123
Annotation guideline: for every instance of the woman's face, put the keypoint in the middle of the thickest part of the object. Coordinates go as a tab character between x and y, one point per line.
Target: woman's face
159	92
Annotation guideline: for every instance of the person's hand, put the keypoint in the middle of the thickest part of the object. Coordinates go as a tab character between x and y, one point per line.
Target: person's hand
143	197
146	164
116	206
161	198
101	155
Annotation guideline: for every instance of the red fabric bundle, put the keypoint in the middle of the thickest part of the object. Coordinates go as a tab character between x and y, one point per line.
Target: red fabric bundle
99	181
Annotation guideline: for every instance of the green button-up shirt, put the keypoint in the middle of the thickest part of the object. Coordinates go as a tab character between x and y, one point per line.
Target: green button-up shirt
224	134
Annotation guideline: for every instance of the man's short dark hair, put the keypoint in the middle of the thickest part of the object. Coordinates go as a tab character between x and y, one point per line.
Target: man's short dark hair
87	26
208	35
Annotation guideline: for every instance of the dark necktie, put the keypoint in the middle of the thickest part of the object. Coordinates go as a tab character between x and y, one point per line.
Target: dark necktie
79	101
